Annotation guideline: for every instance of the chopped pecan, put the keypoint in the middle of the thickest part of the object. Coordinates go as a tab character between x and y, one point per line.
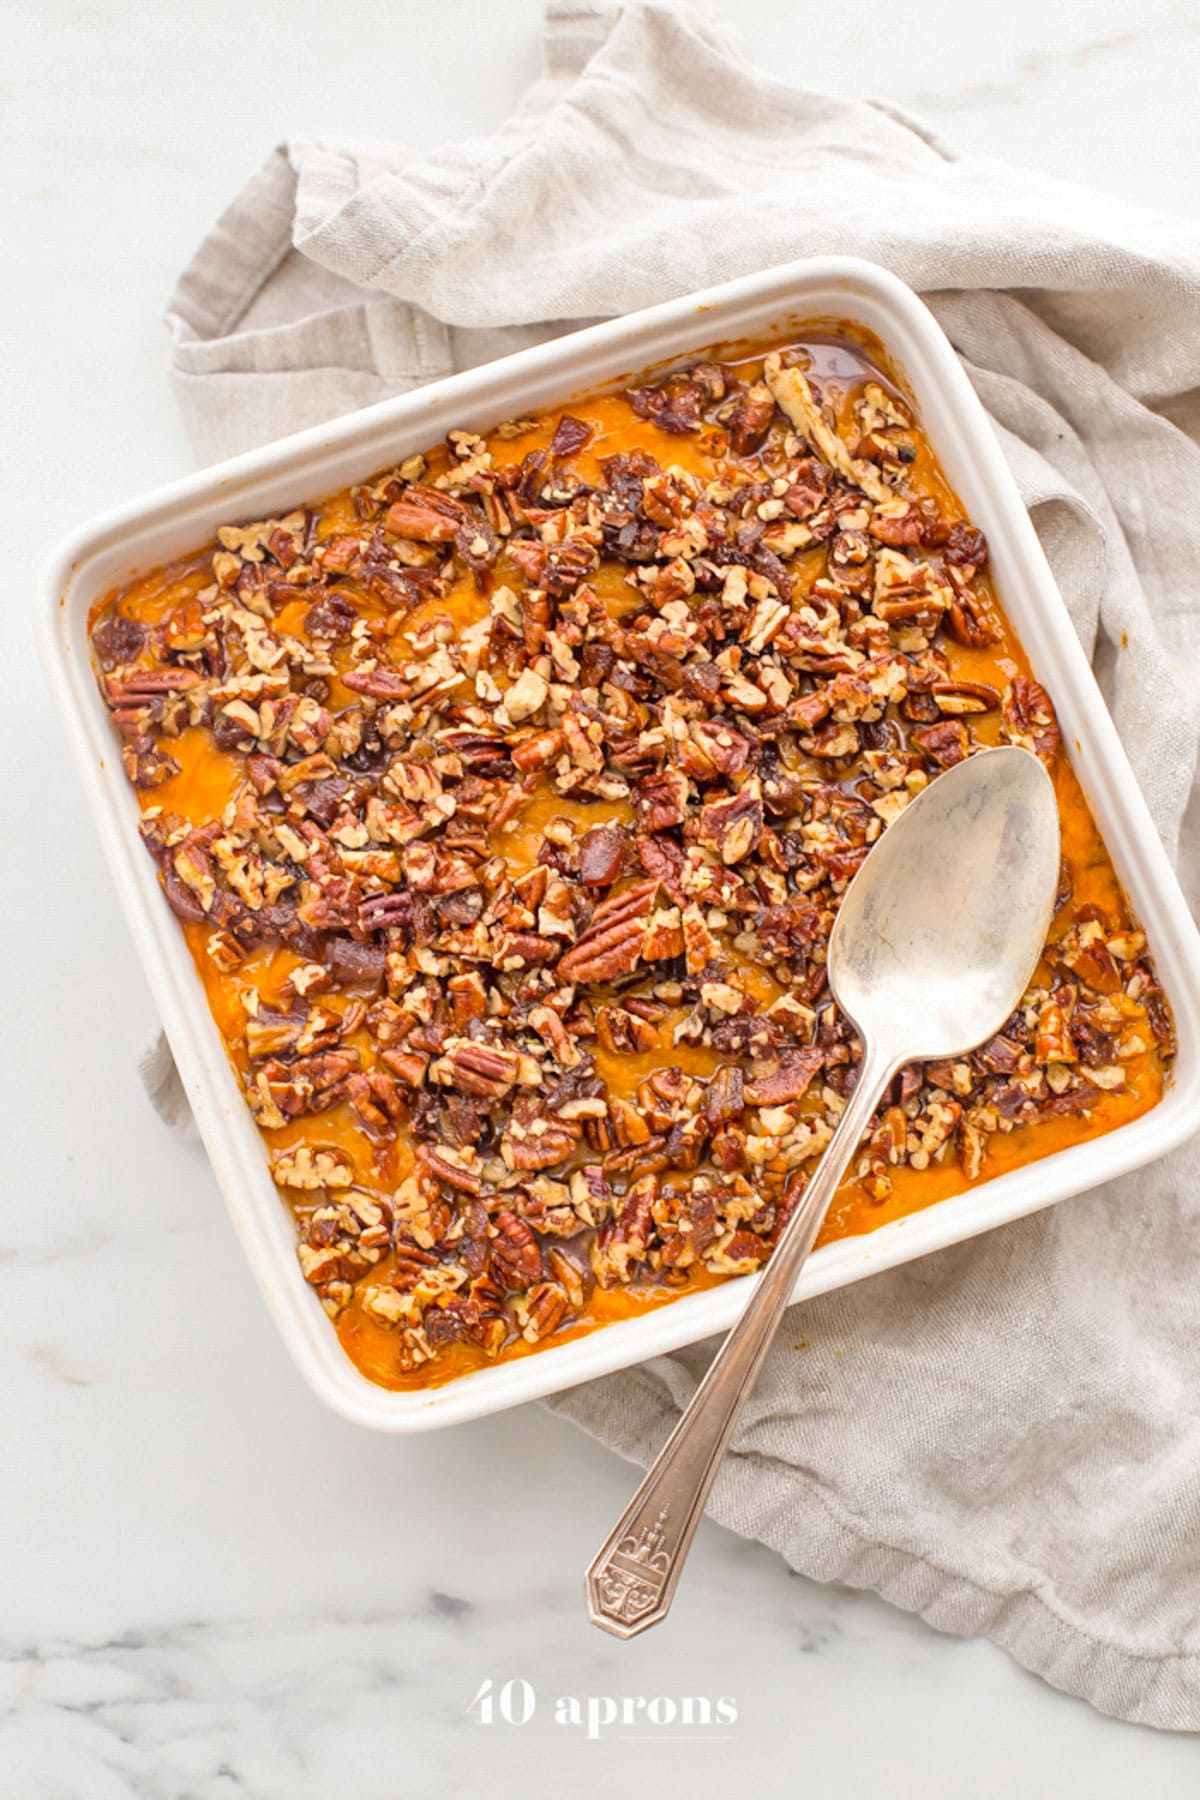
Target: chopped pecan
622	1033
515	1257
448	1165
796	397
625	1240
971	620
946	743
1054	1043
526	695
964	696
661	800
724	1095
1084	951
790	1081
736	1253
143	686
378	684
147	767
538	751
734	827
1029	718
382	912
538	1143
310	1166
557	568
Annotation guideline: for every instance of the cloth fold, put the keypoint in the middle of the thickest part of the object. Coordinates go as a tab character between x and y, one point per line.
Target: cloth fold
1004	1437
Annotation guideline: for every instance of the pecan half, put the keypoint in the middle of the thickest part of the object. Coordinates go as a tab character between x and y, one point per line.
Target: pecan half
612	944
515	1257
542	1311
425	515
489	1070
529	1145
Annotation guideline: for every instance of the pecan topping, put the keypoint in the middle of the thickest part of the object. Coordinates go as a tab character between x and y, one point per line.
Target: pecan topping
509	799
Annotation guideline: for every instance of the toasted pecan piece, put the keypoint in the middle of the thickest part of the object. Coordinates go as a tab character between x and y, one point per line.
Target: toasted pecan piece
489	1070
792	391
612	944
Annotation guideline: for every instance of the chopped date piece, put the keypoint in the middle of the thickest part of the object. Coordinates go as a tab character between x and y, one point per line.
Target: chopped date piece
570	434
331	615
477	545
603	855
118	639
508	800
677	403
965	544
353	964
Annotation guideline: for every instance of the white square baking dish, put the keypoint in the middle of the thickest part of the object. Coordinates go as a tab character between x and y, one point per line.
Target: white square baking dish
176	519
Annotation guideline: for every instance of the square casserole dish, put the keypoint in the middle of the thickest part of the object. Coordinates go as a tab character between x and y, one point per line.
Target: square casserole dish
110	550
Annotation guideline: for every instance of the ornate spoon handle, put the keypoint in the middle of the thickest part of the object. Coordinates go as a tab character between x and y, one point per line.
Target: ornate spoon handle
631	1582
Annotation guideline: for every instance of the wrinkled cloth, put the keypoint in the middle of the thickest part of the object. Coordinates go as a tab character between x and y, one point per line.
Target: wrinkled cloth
1004	1437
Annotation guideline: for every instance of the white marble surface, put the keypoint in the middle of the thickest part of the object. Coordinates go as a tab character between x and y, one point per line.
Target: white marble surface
211	1588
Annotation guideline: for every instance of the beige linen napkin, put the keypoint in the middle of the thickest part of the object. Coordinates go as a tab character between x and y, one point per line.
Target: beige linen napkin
1005	1437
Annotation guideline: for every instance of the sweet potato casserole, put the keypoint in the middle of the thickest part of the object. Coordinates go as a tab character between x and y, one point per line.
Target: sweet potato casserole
507	801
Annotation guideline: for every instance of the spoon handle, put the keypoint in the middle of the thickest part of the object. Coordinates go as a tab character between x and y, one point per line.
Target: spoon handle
631	1582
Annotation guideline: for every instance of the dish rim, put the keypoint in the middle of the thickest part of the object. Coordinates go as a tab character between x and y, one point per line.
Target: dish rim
81	569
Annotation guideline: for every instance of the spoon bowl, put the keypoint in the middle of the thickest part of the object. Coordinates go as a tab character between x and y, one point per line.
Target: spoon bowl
940	933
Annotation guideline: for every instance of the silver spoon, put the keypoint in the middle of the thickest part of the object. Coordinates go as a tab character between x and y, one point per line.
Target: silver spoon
936	940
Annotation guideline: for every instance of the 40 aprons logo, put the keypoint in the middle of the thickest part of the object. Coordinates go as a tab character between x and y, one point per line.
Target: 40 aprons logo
515	1702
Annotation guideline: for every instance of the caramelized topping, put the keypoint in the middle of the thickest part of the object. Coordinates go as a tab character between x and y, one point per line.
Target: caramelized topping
508	801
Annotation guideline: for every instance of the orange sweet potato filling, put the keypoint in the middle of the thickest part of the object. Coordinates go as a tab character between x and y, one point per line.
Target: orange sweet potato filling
210	780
